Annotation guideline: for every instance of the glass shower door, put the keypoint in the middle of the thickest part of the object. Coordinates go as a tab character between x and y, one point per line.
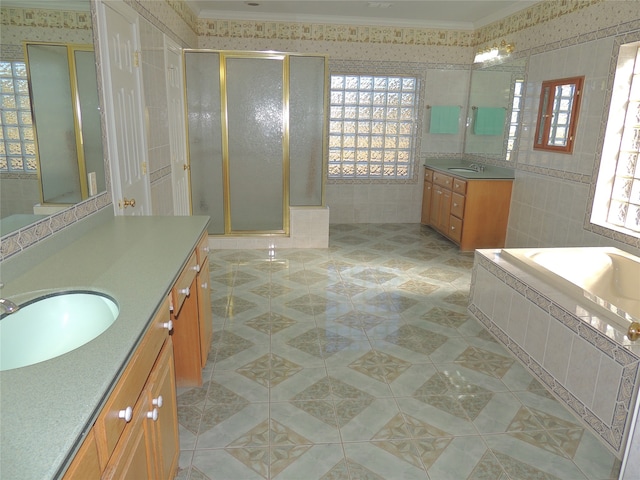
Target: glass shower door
256	140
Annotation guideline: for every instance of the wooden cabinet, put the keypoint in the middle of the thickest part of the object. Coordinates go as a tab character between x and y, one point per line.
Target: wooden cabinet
161	436
129	440
471	213
86	465
191	314
425	218
135	435
441	202
205	314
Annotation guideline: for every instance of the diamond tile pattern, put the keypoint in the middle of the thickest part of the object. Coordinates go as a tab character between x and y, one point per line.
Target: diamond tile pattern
359	362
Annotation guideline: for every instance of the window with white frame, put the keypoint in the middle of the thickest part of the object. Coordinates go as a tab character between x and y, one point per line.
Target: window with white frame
372	127
617	199
17	144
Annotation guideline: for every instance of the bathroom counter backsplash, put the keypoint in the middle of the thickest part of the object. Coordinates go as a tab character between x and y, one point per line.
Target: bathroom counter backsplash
48	407
465	169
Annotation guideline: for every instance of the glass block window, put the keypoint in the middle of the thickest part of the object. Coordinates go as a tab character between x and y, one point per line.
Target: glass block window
372	126
624	208
17	144
516	116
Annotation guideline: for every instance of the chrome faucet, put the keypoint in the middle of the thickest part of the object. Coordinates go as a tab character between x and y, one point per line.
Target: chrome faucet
476	167
7	306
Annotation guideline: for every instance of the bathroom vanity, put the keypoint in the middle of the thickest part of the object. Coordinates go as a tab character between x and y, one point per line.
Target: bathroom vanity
469	206
107	409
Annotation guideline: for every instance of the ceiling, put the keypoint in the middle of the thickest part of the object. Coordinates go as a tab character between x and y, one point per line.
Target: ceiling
444	14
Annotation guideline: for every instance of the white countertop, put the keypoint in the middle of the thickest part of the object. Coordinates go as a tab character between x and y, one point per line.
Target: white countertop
47	408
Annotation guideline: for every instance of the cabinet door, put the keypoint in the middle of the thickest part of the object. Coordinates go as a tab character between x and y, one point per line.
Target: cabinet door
85	465
440	209
161	424
204	312
426	203
129	460
445	211
436	202
455	229
186	341
457	205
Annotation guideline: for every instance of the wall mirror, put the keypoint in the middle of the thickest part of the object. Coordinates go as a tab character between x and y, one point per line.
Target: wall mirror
68	129
495	104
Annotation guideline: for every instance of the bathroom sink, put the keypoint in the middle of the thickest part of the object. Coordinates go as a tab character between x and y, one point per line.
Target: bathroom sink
52	325
463	169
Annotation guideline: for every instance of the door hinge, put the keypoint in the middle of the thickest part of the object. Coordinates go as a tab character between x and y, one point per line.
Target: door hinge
144	168
136	58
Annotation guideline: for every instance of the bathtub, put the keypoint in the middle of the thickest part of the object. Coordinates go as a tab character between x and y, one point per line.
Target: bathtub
604	279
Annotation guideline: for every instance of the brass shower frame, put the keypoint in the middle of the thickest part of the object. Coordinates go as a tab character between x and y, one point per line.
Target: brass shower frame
285	57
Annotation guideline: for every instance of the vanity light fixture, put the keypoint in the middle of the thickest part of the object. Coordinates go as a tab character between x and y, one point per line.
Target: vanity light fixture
494	53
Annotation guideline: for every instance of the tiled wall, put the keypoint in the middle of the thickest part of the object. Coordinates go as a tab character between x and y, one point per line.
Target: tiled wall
561	38
552	194
156	118
545	31
172	17
21	191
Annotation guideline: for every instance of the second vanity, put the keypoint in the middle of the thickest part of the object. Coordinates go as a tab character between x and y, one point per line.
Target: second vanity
467	203
51	410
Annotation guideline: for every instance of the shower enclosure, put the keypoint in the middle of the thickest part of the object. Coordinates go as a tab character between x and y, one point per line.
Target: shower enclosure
256	131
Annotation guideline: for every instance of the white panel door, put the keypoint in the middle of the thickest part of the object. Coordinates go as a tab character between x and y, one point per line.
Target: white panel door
177	134
124	107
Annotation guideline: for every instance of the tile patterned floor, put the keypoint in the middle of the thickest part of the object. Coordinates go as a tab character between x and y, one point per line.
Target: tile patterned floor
360	362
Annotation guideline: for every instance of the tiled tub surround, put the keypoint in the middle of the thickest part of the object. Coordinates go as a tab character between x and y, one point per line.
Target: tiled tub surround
360	361
604	278
585	361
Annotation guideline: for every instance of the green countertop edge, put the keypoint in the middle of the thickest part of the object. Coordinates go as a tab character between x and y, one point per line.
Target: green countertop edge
491	172
46	409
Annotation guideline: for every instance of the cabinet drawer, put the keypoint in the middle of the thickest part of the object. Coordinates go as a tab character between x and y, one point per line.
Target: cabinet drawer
202	250
442	180
110	424
457	205
459	186
428	175
181	288
455	229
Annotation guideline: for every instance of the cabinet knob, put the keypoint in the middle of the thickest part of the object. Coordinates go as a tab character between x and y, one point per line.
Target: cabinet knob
205	249
168	325
153	414
205	285
196	268
157	402
185	291
455	204
126	414
452	227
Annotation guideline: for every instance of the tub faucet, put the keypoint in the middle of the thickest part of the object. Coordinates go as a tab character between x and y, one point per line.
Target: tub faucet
7	306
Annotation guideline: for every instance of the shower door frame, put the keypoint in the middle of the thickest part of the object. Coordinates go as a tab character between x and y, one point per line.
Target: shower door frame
286	91
223	56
